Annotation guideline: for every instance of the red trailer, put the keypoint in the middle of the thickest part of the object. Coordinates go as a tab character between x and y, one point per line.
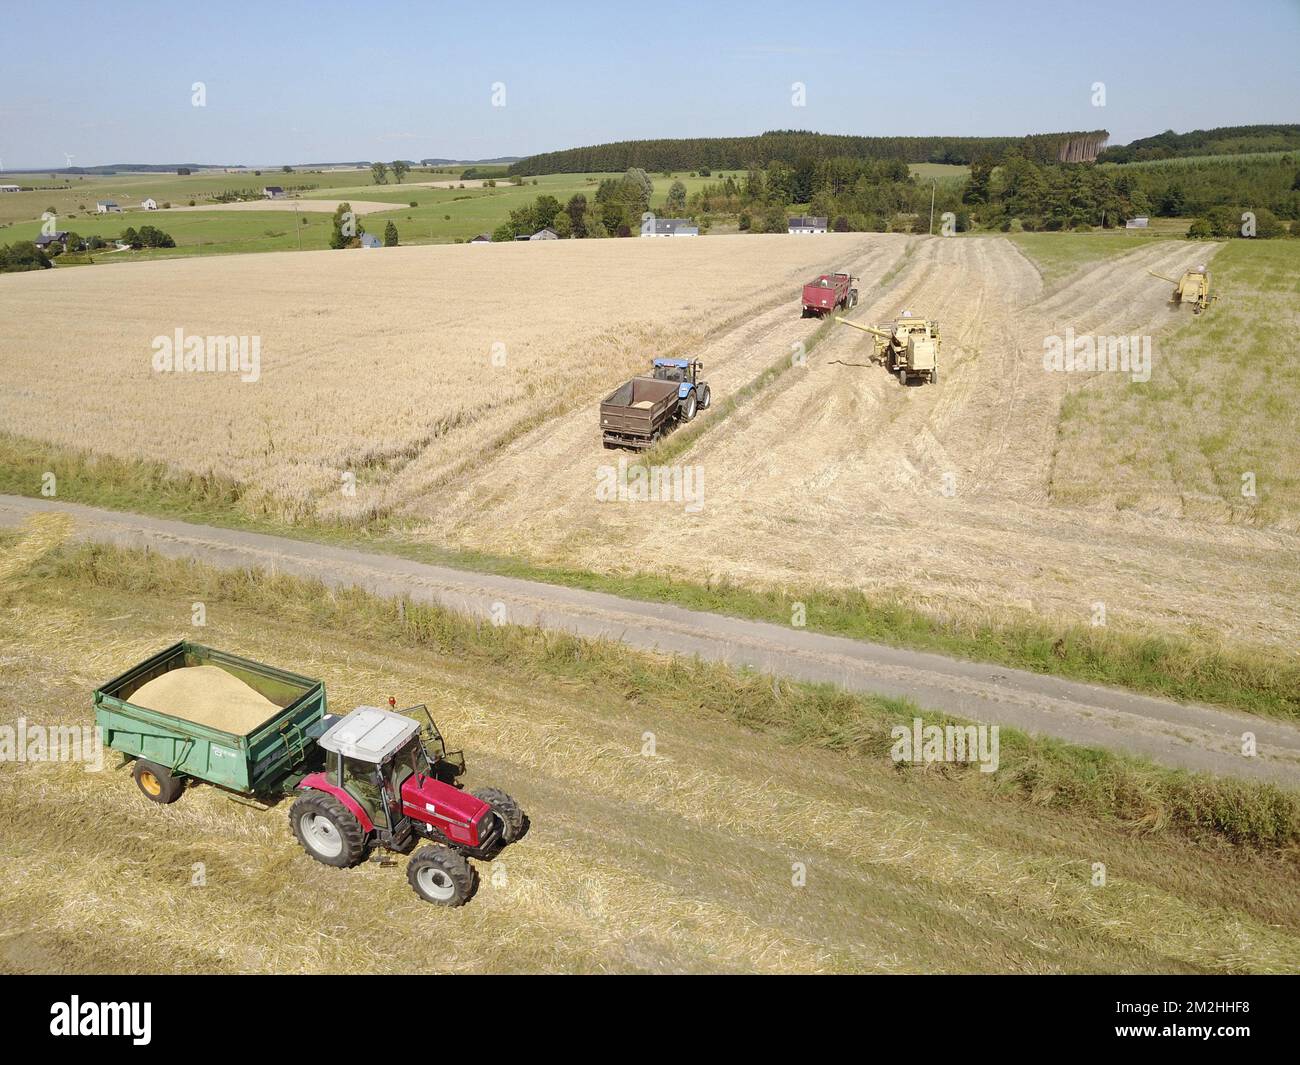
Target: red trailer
829	293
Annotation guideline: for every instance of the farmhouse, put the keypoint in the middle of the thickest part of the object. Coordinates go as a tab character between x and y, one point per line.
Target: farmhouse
46	239
107	207
149	203
482	238
369	240
10	188
1136	223
545	234
671	227
273	192
806	224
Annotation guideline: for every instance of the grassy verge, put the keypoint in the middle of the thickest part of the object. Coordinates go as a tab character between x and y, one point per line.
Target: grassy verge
1133	794
1197	670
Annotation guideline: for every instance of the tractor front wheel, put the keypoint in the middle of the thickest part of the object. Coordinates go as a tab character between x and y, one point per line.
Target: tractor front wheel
441	876
706	397
328	830
902	376
156	782
511	815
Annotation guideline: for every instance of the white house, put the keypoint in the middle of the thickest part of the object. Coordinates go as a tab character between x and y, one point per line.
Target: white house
11	188
273	192
149	203
671	227
806	224
545	234
369	240
1136	223
106	207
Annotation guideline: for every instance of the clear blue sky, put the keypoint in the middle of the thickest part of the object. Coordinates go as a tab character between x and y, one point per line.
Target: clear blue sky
297	82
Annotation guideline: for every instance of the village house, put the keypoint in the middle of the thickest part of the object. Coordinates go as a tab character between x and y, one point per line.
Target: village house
672	227
46	240
806	224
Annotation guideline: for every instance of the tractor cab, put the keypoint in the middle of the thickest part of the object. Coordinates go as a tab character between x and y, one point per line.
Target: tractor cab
692	393
683	371
401	776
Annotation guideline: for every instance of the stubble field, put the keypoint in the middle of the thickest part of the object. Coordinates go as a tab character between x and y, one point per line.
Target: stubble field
459	387
728	847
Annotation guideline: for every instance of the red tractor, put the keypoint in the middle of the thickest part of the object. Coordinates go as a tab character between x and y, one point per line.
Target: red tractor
389	780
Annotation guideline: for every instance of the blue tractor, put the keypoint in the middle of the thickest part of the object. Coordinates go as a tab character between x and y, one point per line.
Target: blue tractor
692	393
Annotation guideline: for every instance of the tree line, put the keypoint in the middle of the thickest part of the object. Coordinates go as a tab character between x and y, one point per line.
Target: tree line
1224	140
737	153
1008	192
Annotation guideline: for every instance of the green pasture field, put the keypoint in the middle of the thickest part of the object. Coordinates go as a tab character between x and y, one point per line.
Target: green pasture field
441	216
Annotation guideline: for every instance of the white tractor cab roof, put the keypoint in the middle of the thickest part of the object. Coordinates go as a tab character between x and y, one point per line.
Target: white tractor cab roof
369	734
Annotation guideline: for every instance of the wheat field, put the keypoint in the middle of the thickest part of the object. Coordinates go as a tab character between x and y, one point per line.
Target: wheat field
386	366
453	392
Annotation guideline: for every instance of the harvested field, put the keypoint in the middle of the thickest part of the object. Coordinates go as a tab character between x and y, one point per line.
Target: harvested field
726	850
461	392
805	485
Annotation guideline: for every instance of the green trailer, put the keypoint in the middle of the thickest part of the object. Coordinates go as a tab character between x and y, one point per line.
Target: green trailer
266	762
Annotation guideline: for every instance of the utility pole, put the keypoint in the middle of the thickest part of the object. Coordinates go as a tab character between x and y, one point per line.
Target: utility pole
933	184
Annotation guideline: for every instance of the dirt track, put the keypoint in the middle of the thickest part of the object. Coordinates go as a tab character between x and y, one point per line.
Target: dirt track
1185	736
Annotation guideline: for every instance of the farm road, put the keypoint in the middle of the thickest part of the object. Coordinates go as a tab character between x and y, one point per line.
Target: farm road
1184	736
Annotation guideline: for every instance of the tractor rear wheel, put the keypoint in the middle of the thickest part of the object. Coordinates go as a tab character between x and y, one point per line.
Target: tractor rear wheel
689	407
509	811
441	876
328	830
156	782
